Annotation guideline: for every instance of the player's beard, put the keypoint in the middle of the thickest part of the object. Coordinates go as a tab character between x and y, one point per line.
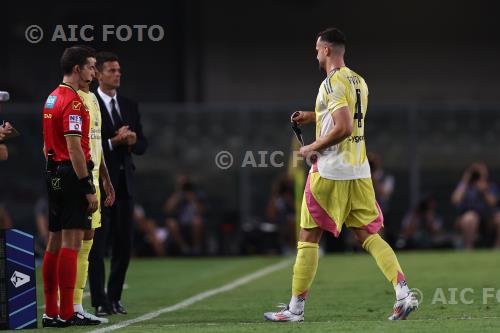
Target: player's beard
320	68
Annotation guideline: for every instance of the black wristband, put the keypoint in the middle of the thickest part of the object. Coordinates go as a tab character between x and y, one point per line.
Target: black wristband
87	185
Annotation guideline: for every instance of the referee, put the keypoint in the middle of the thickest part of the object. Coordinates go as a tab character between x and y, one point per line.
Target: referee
72	197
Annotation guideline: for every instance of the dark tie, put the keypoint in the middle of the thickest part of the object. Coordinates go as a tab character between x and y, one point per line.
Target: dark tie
117	120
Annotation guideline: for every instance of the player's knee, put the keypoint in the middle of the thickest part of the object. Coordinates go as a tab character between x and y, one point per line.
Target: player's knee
360	235
310	235
89	234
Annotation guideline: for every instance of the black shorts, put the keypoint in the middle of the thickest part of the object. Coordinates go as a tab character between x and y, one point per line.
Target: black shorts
68	206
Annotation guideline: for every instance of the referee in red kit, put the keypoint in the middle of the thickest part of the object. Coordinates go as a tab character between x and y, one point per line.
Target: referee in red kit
72	197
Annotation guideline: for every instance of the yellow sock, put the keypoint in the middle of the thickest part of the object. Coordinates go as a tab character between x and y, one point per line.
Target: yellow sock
305	267
82	270
385	258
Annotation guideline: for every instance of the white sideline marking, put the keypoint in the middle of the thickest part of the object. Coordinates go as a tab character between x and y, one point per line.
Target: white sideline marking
196	298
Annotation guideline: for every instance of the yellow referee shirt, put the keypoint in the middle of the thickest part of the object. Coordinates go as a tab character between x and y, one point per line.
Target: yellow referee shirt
95	144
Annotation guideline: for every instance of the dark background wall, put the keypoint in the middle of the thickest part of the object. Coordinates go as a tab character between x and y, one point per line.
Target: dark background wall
263	51
227	75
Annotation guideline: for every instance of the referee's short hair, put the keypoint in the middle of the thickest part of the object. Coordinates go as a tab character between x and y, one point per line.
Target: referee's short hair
103	57
333	36
75	55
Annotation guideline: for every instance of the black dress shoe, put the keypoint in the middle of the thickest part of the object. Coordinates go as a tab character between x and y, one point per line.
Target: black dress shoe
104	310
118	307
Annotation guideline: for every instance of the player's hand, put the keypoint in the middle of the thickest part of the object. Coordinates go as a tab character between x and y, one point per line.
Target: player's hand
308	153
93	203
110	193
300	117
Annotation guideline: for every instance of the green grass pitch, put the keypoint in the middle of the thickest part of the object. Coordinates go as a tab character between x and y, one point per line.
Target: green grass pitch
349	294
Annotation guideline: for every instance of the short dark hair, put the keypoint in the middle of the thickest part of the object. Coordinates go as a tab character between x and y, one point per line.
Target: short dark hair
333	36
103	57
75	55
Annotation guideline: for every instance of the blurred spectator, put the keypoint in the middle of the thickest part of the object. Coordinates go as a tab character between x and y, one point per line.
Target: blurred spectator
422	227
5	129
184	210
476	199
383	183
150	238
281	212
5	220
3	152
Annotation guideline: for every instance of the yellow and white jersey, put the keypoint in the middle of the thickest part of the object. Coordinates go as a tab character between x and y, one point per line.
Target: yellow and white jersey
346	160
95	144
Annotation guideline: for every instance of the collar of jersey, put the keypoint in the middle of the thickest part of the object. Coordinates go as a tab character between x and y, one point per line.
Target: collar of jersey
333	71
63	84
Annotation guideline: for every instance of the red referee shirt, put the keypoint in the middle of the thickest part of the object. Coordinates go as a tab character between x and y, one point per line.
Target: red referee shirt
65	114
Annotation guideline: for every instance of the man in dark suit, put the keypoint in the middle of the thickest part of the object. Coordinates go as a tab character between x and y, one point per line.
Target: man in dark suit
121	137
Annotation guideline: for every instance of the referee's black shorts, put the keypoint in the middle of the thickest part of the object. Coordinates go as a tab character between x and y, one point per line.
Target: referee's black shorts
68	206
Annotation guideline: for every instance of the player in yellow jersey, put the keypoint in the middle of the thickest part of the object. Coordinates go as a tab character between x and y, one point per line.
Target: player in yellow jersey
100	170
339	189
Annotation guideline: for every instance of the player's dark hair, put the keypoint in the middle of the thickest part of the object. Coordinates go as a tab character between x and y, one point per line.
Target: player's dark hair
333	36
103	57
75	55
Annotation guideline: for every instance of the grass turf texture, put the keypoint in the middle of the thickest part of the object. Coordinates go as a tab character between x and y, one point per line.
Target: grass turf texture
349	294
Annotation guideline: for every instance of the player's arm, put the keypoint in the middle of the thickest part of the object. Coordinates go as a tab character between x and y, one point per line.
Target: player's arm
77	156
72	125
342	118
303	117
79	164
106	183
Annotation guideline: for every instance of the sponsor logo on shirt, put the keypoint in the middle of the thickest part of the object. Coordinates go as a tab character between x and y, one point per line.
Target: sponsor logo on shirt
75	123
51	101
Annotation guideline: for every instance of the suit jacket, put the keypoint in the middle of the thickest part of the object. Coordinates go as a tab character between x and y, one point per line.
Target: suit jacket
119	155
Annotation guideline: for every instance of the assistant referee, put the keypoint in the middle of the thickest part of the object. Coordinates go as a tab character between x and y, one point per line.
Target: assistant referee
72	197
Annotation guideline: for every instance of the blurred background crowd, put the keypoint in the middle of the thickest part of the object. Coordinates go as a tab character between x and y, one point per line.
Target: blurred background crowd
224	79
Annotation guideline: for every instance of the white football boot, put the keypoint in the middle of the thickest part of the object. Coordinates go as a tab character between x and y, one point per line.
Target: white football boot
403	307
284	315
93	318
